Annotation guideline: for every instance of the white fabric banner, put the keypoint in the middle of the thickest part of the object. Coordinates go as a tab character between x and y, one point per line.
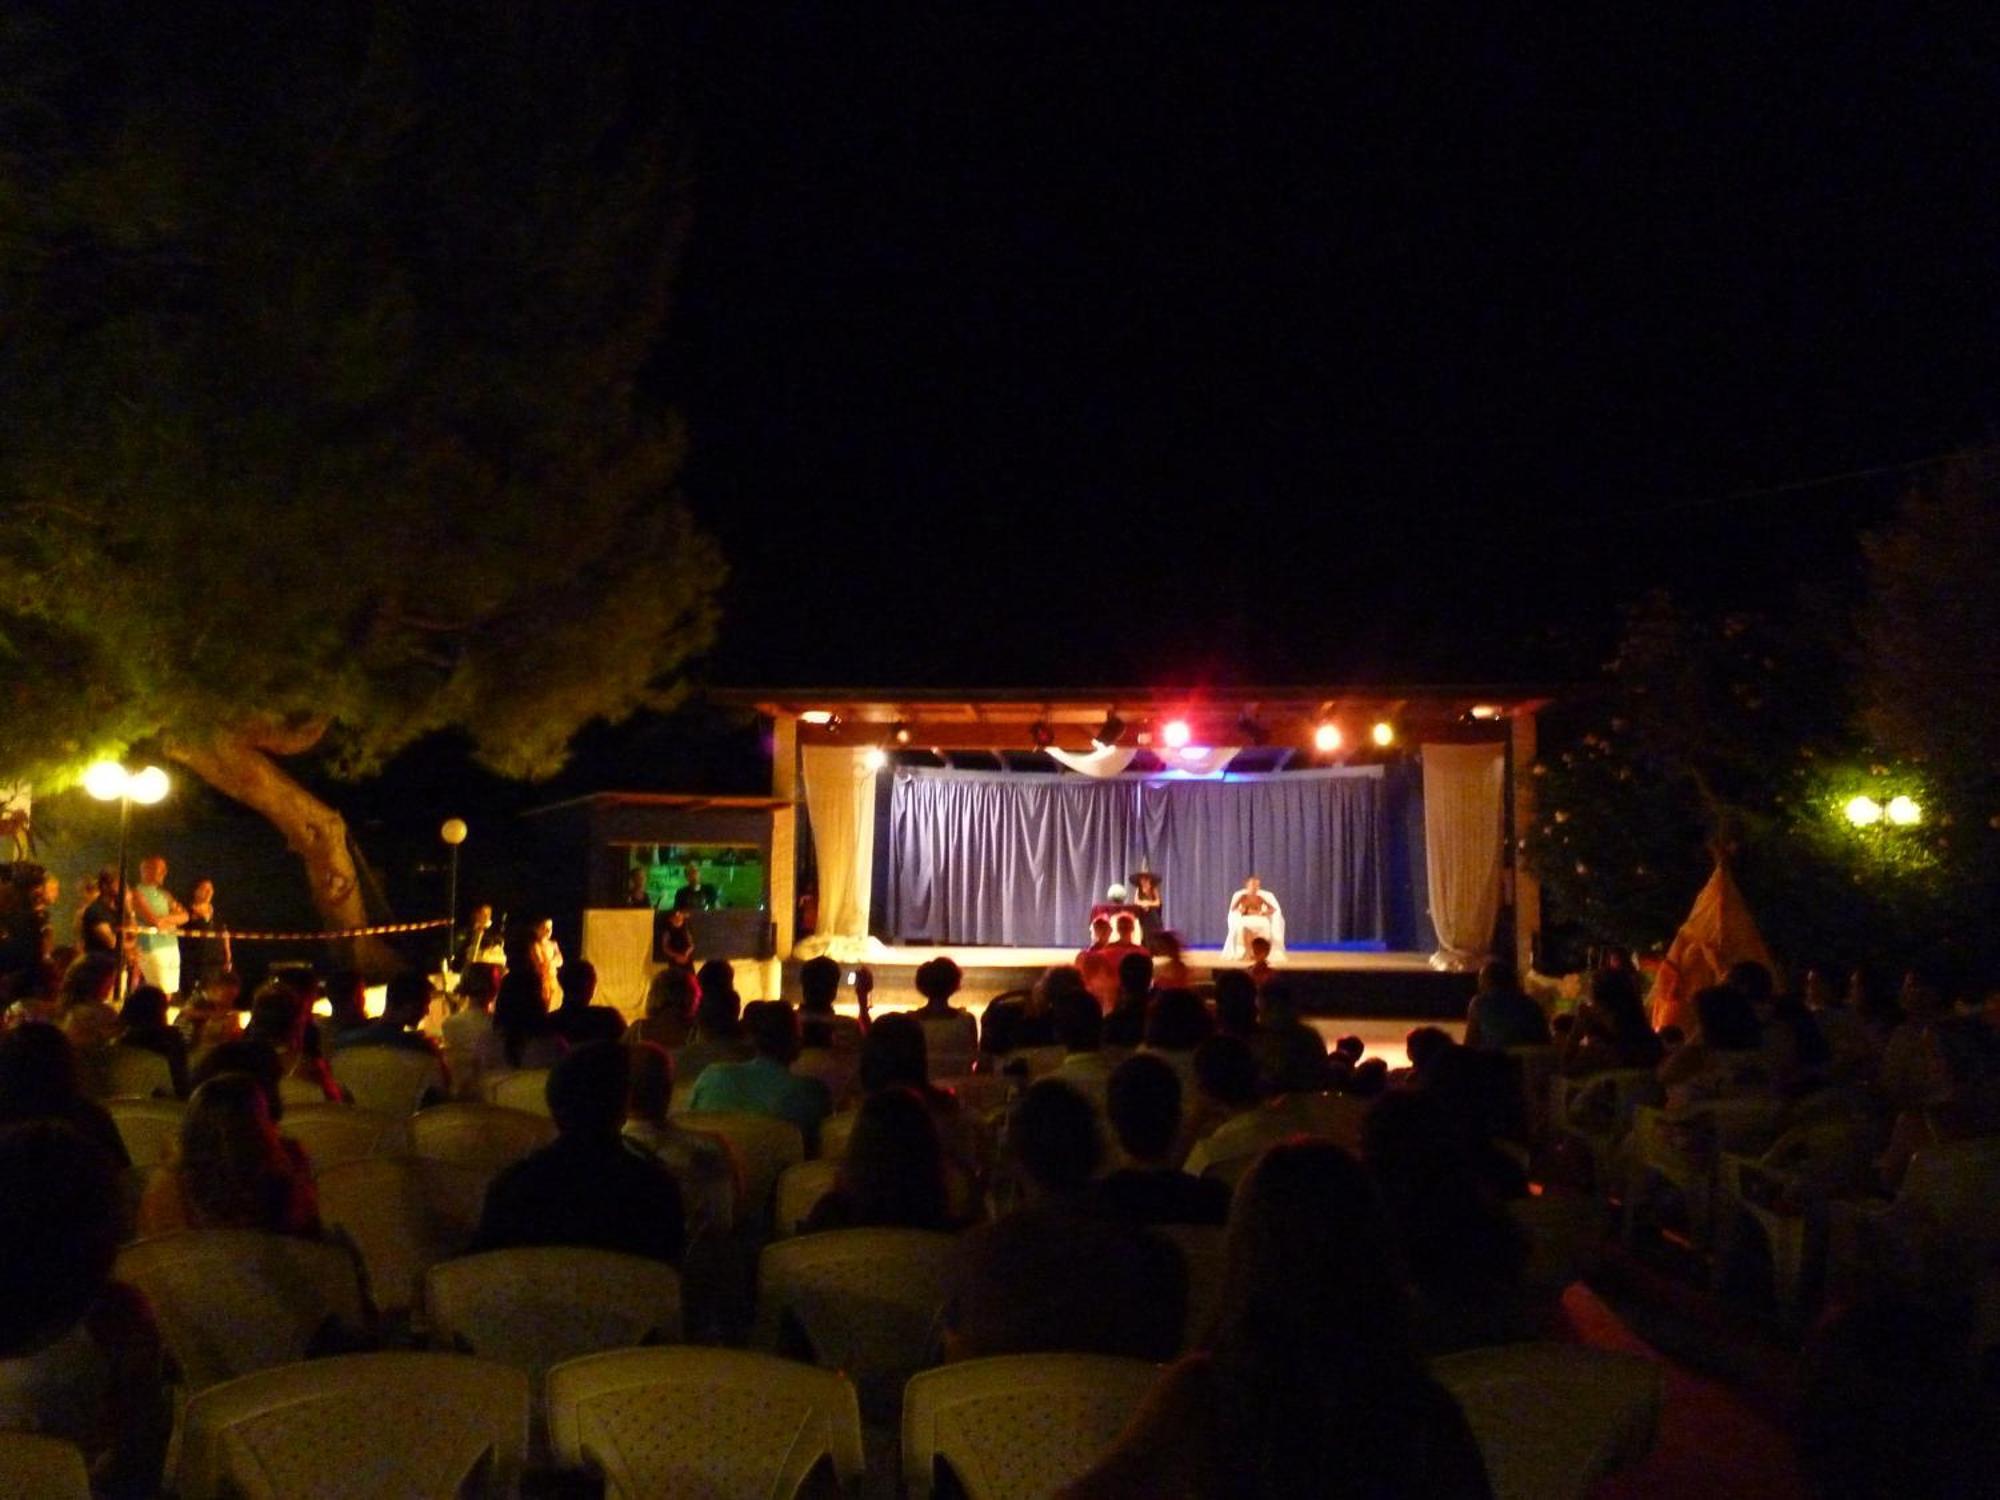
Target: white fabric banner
840	801
1104	760
1464	806
619	941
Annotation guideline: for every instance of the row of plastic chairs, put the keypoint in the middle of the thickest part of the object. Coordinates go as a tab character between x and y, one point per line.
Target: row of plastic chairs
1551	1421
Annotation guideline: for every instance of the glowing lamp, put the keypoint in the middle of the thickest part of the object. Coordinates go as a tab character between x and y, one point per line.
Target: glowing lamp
1326	738
106	780
901	733
1485	711
1903	811
147	786
1383	734
454	831
1863	812
819	716
1176	735
875	758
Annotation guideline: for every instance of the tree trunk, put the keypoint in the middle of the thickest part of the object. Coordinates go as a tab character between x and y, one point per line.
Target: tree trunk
240	767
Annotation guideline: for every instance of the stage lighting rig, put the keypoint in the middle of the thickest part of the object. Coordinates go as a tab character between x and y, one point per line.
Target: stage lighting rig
1326	737
1176	734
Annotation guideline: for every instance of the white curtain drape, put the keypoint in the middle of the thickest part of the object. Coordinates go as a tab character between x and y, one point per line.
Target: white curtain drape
1464	803
619	941
1103	760
840	800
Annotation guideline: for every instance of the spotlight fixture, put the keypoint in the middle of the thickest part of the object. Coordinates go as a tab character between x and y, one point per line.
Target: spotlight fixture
1176	734
875	758
900	732
1249	731
817	716
1485	711
1904	811
1040	735
1383	734
1110	731
1326	737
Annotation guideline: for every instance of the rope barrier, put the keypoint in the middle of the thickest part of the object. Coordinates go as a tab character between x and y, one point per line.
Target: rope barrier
384	929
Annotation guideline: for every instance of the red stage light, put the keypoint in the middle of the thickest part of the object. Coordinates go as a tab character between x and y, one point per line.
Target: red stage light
1176	734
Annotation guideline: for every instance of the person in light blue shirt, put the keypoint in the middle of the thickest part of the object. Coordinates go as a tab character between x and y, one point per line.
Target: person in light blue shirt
766	1085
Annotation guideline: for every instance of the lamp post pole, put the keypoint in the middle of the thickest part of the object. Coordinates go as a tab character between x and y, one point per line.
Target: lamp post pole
453	833
124	904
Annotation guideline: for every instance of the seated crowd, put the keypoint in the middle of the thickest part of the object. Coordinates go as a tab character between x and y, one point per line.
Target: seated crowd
1070	1139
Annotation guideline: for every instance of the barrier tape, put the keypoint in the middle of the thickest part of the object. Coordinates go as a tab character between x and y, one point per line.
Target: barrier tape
383	930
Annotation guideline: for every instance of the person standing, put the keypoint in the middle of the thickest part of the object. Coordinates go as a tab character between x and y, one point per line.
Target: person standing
211	955
97	923
154	906
694	896
480	943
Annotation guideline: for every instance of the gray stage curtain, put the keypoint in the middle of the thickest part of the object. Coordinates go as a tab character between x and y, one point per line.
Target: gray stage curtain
987	858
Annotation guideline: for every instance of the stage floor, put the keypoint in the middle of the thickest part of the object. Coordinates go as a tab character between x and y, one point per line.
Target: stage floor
886	955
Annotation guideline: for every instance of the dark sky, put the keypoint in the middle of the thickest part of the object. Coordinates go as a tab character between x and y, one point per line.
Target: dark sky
1162	341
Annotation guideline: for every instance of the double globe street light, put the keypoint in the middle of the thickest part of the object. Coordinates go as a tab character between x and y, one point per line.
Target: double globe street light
108	781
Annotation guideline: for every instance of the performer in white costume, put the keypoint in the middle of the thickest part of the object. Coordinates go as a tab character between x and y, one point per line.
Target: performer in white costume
1254	913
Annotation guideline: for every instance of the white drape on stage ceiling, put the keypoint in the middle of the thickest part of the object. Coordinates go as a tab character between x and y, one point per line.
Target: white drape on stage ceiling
1464	803
840	801
1104	760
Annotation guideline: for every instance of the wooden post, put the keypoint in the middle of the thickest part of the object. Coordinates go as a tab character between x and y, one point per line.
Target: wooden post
1527	889
785	833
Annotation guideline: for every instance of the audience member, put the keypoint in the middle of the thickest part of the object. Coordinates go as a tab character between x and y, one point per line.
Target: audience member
951	1036
472	1023
590	1186
765	1084
278	1017
579	1019
1125	1024
1144	1106
1611	1029
1225	1086
1028	1020
1080	1026
143	1025
703	1166
87	1016
1291	1056
1235	1004
893	1056
1170	970
404	1006
893	1174
1423	1045
1054	1274
1501	1014
669	1018
822	1027
230	1169
1311	1382
80	1355
1726	1055
1260	970
718	1027
347	1009
522	1037
39	1081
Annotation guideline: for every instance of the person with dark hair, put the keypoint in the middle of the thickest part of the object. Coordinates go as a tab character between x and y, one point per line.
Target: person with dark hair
893	1173
894	1055
85	1011
230	1169
589	1187
704	1166
669	1018
39	1080
278	1017
1291	1056
1028	1020
1501	1014
1726	1055
579	1019
1310	1382
251	1056
1177	1022
1146	897
1611	1029
950	1033
765	1084
467	1033
1225	1087
1170	969
523	1037
142	1024
822	1026
1080	1026
80	1356
1423	1045
1235	1004
97	924
718	1025
1054	1273
404	1006
1125	1023
1143	1103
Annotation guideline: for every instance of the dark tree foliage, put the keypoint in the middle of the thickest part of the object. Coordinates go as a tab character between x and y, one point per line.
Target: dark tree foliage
323	333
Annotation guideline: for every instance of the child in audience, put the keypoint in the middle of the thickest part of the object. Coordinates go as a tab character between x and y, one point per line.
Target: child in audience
230	1169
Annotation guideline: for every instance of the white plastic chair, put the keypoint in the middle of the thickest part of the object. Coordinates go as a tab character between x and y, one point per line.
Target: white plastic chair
403	1214
833	1133
1551	1420
337	1133
1595	1111
147	1127
765	1147
1017	1426
415	1426
800	1187
532	1308
1205	1249
232	1301
118	1072
1944	1221
1782	1198
300	1093
867	1301
526	1090
42	1468
484	1137
392	1080
1681	1148
703	1424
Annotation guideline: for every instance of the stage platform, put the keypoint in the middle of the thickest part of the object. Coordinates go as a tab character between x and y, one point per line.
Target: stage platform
1331	983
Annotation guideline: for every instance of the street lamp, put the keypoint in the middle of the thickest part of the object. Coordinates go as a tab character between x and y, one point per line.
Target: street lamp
453	833
108	781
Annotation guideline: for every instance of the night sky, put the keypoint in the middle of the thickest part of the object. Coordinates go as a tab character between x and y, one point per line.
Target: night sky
1169	342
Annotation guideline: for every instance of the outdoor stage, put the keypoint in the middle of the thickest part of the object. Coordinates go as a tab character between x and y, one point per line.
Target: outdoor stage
1333	983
